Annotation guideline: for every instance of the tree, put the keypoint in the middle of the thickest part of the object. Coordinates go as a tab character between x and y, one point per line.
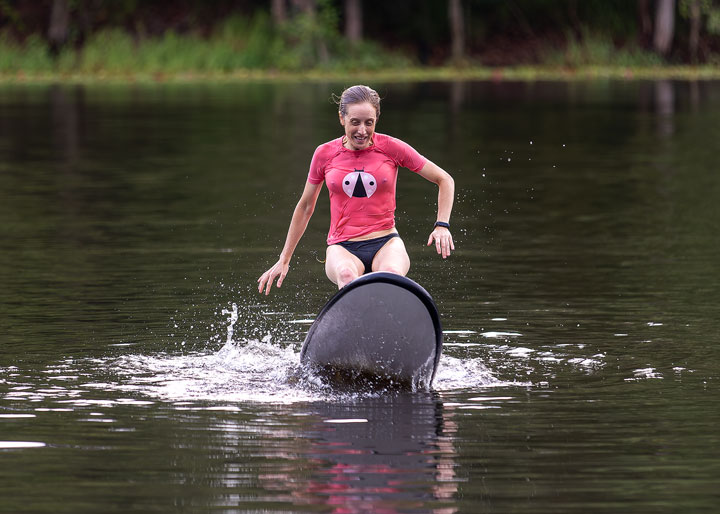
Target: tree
353	20
457	30
305	6
58	29
313	28
664	26
645	21
694	12
702	14
278	11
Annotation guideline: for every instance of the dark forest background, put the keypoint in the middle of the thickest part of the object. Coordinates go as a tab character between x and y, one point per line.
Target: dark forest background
224	35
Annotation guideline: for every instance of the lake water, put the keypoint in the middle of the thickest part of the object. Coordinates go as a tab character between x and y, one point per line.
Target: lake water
140	371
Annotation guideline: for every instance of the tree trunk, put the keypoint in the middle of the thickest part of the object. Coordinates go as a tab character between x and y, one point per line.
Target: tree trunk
309	9
694	30
577	25
353	20
278	11
664	26
457	29
59	25
644	21
306	6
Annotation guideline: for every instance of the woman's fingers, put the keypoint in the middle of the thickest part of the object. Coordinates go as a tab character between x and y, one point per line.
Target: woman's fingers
266	280
268	283
261	282
448	246
443	242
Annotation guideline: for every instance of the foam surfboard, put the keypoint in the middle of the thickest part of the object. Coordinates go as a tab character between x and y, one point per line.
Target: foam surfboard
381	328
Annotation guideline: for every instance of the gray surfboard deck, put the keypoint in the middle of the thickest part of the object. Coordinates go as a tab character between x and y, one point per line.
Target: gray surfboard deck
381	329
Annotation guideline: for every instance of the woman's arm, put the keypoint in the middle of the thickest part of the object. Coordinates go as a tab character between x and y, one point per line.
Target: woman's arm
446	193
300	218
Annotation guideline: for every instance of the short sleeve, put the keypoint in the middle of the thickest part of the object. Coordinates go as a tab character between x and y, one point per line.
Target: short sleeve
404	154
316	175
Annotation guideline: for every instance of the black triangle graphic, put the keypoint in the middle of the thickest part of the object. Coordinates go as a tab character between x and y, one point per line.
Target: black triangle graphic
359	191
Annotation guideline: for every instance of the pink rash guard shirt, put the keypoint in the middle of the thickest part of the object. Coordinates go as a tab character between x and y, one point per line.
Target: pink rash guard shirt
362	183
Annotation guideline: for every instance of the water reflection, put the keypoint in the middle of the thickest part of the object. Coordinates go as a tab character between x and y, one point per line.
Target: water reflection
665	107
389	455
67	105
398	456
384	454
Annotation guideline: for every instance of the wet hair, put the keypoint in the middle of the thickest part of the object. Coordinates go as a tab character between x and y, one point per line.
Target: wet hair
357	95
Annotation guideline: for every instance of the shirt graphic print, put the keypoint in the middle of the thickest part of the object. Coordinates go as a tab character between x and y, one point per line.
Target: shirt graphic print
359	184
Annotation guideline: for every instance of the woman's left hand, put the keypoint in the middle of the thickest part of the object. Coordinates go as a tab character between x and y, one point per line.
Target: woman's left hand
443	241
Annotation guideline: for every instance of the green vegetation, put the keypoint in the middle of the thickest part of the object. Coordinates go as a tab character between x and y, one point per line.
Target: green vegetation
238	44
597	49
129	40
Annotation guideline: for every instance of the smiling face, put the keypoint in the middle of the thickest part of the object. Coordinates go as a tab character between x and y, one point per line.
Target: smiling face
359	124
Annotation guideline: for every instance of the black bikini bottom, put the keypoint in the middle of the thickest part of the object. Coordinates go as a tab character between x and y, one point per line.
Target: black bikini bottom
366	250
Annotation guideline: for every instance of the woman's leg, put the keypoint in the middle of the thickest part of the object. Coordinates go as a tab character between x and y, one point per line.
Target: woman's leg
341	266
392	258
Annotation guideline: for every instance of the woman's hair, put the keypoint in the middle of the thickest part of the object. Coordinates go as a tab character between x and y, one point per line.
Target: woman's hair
357	95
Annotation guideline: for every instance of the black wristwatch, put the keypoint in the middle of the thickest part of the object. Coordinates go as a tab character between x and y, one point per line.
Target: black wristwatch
442	224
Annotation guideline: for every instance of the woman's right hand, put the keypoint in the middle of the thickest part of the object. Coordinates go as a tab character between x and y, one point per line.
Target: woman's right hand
279	269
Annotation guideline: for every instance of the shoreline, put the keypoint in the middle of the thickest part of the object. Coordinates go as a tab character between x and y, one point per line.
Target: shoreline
441	74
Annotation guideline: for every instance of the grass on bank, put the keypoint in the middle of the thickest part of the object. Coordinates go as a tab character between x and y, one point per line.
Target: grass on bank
250	48
595	49
238	44
415	74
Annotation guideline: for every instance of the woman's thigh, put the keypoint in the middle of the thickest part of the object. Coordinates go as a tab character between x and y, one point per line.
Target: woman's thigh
392	257
341	266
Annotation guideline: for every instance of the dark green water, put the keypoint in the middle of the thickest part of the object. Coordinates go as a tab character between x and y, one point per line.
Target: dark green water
582	354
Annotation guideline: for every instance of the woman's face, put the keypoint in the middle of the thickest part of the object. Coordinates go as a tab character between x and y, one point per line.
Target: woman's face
359	124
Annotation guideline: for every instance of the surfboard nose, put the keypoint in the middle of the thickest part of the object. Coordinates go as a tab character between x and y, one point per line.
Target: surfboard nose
382	328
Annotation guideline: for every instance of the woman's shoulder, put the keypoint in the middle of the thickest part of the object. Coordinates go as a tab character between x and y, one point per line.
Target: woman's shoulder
380	140
399	151
391	145
329	147
324	153
387	142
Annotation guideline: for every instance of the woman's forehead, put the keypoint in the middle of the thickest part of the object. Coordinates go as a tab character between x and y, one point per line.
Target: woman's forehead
361	111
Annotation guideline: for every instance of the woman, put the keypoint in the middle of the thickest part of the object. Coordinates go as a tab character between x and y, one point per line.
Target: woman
360	170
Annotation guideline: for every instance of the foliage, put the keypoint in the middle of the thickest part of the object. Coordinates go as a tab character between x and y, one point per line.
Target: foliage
596	49
31	56
109	50
707	8
313	41
164	36
242	42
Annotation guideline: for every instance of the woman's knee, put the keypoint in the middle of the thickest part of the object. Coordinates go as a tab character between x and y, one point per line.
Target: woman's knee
340	268
345	273
342	275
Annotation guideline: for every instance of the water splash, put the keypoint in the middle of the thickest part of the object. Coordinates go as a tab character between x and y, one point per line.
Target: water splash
467	373
254	364
244	371
260	371
231	321
247	371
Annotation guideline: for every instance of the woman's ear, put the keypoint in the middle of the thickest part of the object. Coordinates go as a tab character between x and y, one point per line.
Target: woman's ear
340	116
